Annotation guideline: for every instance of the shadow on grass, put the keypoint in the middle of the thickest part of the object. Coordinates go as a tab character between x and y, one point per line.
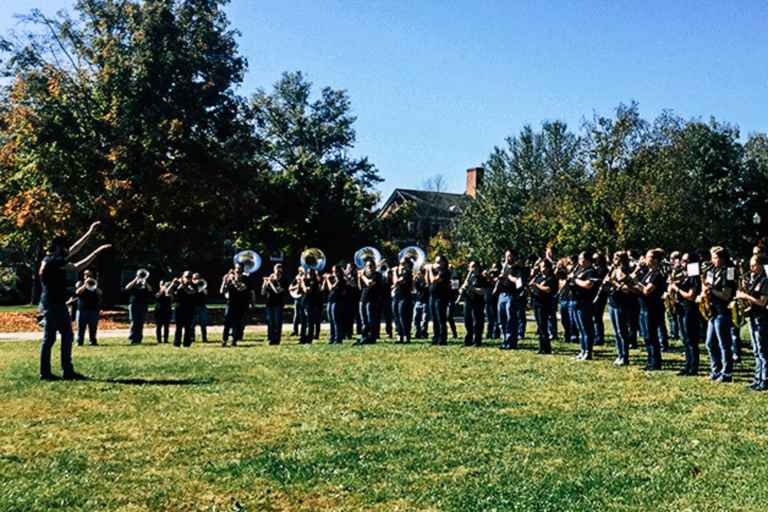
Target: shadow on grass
157	382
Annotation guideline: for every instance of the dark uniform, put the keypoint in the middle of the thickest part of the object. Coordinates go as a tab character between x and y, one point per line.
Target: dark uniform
88	310
402	295
542	303
757	287
238	293
184	296
440	296
56	319
651	316
163	315
370	298
620	309
689	323
421	307
474	309
138	302
337	302
719	342
583	299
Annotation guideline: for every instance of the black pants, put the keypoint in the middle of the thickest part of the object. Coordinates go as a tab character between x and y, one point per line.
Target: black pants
543	314
474	318
183	326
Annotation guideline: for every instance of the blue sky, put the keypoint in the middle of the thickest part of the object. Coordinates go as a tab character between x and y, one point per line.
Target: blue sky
436	84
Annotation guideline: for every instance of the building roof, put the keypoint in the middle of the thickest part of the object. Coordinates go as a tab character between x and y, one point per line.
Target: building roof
427	203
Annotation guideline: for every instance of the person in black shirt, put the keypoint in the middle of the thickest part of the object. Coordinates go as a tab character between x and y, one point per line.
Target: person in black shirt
310	289
507	286
651	287
543	285
755	295
562	269
584	285
335	285
237	291
686	288
351	308
719	286
439	279
491	302
294	290
53	308
184	292
386	307
598	307
473	291
140	291
402	294
371	287
274	290
421	307
163	312
88	296
618	285
200	307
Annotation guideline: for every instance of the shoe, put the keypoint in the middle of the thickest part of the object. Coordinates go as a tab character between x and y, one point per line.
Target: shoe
724	378
714	376
762	387
580	356
74	376
754	385
50	378
93	344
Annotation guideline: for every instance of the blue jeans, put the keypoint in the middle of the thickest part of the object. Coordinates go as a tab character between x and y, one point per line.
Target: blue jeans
719	345
421	318
138	315
508	320
87	318
650	317
582	316
473	322
200	317
369	315
565	318
758	331
689	329
403	316
336	319
439	308
274	318
620	322
56	319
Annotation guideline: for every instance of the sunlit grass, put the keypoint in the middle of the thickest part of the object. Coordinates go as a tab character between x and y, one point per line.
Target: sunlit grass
384	427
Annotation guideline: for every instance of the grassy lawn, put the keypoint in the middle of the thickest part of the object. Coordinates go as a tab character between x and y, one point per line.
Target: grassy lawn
384	427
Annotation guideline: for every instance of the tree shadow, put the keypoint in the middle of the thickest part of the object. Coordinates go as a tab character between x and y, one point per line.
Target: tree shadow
157	382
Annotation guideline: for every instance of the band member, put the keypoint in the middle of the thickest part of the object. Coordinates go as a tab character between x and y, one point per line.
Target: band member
335	285
402	294
676	272
491	302
386	306
371	286
421	307
718	288
651	287
352	303
439	279
543	286
619	290
163	312
311	295
53	308
687	287
508	284
525	270
598	307
274	291
183	291
200	311
473	292
139	291
756	297
236	289
639	268
583	283
298	301
452	307
564	299
88	296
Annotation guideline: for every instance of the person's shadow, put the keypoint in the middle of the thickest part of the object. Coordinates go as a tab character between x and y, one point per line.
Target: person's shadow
156	382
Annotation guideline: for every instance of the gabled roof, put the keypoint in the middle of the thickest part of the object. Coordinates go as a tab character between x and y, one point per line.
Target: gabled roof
428	203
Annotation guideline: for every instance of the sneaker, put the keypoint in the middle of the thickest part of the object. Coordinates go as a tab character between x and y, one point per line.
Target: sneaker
714	376
580	356
724	378
74	376
50	378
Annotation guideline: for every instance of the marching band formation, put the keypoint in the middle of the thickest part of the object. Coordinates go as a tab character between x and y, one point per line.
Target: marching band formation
648	296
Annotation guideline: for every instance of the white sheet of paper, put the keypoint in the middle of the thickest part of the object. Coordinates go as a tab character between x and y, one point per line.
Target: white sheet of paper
693	269
730	274
765	267
519	283
710	278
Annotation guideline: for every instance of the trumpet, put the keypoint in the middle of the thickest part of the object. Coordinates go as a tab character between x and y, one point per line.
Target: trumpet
202	285
141	277
91	284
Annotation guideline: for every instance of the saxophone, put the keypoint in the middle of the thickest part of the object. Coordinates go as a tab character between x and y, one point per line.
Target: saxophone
704	299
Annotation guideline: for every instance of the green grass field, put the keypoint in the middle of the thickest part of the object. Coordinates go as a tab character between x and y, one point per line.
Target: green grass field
384	427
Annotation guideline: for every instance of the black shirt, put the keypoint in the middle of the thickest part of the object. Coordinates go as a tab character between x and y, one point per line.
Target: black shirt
139	295
507	286
718	279
421	288
619	297
690	283
404	287
88	300
374	290
477	293
163	303
54	281
757	286
655	277
339	292
185	296
540	297
585	296
239	294
441	285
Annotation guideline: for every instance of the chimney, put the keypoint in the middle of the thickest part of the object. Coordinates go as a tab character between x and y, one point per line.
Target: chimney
474	180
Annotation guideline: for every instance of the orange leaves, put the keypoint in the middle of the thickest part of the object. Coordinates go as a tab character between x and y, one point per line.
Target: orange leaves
37	208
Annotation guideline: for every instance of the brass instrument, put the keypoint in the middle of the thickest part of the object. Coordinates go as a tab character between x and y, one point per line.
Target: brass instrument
415	254
313	259
364	253
469	284
249	260
91	284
